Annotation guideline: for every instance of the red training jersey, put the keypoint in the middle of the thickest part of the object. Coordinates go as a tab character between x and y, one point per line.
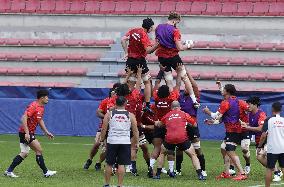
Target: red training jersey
163	105
105	106
175	122
34	113
261	119
138	42
165	52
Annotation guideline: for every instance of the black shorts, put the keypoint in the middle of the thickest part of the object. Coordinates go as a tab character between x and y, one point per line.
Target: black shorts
141	131
234	138
132	63
170	63
149	137
23	140
273	158
159	132
181	146
245	135
118	153
192	132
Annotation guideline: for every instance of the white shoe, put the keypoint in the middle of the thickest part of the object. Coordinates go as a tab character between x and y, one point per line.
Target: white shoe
164	171
247	170
280	174
232	172
128	169
50	173
10	174
276	178
204	173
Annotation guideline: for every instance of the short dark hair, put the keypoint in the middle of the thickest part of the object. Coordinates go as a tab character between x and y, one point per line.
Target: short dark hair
174	15
123	90
113	89
277	107
147	23
116	85
41	93
120	101
255	100
163	91
230	88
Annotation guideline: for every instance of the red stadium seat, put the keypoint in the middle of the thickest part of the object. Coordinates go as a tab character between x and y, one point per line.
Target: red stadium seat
14	56
91	57
280	47
137	7
198	8
5	6
74	57
4	83
88	42
2	41
43	42
204	59
12	41
238	61
61	71
152	7
167	7
29	57
17	6
27	42
57	42
272	61
258	76
30	71
275	76
241	76
3	56
92	7
260	8
32	6
62	6
64	84
221	60
208	75
15	71
233	45
107	7
216	44
44	57
244	9
47	6
183	7
229	8
77	7
213	8
267	46
3	71
122	7
254	61
189	59
73	42
77	71
201	44
46	71
224	75
249	46
276	9
104	42
59	57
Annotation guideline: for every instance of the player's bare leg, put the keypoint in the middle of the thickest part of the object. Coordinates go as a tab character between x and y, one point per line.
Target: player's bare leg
134	150
245	144
108	172
171	162
93	151
157	142
36	147
195	162
146	153
196	144
148	89
268	177
120	174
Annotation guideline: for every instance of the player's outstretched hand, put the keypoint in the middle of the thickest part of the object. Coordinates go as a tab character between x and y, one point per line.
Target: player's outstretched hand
128	70
139	69
243	124
206	110
179	67
50	135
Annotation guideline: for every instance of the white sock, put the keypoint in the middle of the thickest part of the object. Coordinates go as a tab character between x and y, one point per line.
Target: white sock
152	162
192	96
171	165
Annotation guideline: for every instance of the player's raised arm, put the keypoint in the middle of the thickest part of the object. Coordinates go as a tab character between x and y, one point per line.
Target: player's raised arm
194	84
124	44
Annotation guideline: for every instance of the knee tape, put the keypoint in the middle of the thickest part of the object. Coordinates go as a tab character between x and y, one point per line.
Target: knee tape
245	143
168	76
25	148
146	77
142	140
223	145
196	145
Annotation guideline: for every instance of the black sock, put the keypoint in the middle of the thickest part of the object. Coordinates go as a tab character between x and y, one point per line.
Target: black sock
148	163
16	161
133	164
202	161
232	167
106	185
179	159
40	162
247	164
276	172
148	104
159	171
199	172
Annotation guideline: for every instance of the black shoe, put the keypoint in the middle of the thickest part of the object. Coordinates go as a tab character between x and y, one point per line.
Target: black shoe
87	164
134	172
201	177
98	166
172	174
157	177
150	172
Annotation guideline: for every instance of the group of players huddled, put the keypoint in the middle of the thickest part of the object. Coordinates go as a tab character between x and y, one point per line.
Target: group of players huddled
170	124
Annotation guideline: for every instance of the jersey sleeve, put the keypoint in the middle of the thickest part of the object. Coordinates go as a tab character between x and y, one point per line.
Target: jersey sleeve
103	105
265	125
31	109
145	40
189	119
261	119
243	105
224	107
174	95
177	35
155	94
164	119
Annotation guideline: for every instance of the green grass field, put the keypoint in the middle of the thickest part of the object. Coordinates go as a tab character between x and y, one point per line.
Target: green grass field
68	154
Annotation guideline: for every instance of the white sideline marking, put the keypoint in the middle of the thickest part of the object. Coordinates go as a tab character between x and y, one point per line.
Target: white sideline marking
56	143
276	184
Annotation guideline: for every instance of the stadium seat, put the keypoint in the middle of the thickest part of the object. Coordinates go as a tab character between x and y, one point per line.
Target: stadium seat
197	8
77	71
57	42
59	57
224	75
233	45
208	75
13	56
183	7
46	71
5	6
17	6
61	71
47	6
73	42
221	60
3	57
104	42
15	71
152	7
122	7
62	6
260	8
107	7
43	42
238	61
214	8
244	9
216	44
92	7
280	47
12	41
272	61
29	57
167	7
137	7
91	57
254	61
89	42
44	57
258	76
189	59
27	42
204	59
249	46
30	71
201	44
3	70
241	76
275	76
276	9
267	46
32	6
229	8
74	57
76	7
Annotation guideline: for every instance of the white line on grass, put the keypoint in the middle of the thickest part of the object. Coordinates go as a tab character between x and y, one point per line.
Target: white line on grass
276	184
55	143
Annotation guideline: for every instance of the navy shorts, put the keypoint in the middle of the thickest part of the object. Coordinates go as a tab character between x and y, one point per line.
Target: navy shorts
159	132
118	153
170	63
273	158
132	63
192	132
181	146
23	140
